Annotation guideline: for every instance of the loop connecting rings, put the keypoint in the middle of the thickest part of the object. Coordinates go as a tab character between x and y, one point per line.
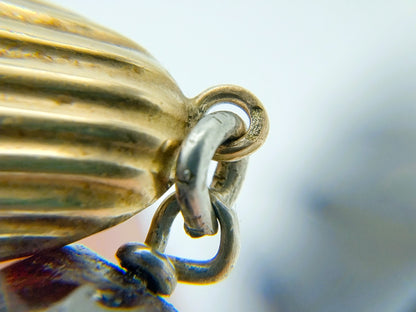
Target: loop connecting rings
161	271
220	136
190	271
194	159
201	208
259	122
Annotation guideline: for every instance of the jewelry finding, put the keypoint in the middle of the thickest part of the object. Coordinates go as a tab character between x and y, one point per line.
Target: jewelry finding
148	261
194	158
94	130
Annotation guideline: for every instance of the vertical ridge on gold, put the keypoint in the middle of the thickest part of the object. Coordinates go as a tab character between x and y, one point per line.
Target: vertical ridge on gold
90	126
49	16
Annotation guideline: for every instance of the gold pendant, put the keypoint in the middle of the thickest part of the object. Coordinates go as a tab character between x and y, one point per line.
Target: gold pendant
90	127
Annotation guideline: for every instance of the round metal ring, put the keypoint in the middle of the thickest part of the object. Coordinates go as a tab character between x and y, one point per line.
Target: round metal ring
259	123
190	271
192	166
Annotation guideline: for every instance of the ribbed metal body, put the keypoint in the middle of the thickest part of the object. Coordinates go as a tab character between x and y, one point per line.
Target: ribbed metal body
90	125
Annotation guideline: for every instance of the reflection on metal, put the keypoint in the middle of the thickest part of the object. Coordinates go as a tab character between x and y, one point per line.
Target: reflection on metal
73	279
136	256
198	206
194	159
90	127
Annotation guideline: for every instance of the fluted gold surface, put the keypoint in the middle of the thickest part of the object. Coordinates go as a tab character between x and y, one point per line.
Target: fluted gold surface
90	125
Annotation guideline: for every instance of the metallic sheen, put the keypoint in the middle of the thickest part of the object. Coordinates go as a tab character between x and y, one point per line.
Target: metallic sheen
150	266
189	271
74	279
194	159
90	127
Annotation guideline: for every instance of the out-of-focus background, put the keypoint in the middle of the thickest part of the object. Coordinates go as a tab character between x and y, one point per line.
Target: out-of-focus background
328	210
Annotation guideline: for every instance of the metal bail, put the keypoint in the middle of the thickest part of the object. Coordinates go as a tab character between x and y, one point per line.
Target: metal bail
196	154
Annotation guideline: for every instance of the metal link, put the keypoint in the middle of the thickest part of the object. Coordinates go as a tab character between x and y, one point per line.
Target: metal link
193	162
190	271
201	208
258	129
151	264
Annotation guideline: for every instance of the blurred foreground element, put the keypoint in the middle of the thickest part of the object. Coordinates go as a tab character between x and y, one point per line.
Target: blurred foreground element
73	279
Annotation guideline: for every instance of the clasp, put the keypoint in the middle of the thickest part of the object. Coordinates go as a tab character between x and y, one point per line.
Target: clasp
194	159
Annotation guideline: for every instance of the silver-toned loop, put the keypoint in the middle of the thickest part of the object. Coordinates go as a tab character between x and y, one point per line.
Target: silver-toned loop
192	166
199	203
227	180
200	272
150	266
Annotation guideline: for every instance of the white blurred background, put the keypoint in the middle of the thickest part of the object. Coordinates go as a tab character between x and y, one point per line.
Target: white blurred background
328	209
